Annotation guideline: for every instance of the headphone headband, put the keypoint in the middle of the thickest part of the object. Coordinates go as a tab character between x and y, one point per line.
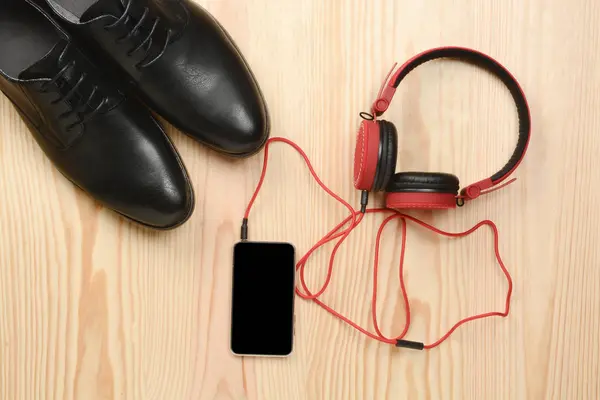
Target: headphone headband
486	62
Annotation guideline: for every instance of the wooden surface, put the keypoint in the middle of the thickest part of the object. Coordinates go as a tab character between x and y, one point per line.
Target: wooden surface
94	307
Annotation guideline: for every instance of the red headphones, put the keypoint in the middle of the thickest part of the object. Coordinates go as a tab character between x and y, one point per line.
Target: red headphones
377	145
374	170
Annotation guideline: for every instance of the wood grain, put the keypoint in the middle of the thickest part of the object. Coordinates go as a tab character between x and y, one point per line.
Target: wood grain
94	307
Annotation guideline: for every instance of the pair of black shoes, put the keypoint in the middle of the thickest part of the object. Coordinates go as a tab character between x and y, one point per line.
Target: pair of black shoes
84	107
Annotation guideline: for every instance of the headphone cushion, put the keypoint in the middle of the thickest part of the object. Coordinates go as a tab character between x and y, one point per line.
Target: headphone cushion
386	165
424	182
366	155
422	190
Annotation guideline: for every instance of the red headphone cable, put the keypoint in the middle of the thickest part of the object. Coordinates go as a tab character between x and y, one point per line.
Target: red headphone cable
343	230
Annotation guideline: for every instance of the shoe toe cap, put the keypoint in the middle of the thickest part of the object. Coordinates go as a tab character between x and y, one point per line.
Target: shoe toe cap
245	128
126	161
232	119
164	205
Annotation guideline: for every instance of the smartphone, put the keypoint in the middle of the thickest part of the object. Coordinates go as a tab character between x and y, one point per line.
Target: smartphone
262	312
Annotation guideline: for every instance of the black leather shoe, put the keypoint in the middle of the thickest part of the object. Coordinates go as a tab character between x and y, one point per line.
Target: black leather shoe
107	144
180	61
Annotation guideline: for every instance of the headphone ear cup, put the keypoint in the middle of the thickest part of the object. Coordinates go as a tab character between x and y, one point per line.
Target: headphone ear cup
386	166
432	190
366	155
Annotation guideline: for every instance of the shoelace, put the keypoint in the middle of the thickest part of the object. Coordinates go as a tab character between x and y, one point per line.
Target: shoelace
81	107
147	42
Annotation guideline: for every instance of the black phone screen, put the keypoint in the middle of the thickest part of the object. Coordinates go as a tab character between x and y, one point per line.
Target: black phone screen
262	318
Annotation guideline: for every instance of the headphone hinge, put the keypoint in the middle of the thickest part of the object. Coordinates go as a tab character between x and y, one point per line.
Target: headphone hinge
383	102
475	190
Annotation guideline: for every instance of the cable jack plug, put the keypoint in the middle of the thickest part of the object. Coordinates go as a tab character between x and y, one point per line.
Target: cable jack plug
244	230
364	201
